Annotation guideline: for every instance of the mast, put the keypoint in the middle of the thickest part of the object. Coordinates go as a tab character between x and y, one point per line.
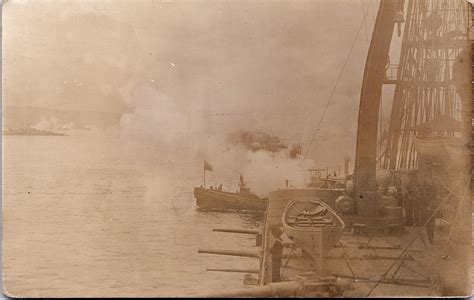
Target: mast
370	96
432	84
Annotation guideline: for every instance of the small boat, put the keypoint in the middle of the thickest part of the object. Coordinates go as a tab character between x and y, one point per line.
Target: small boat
216	199
442	148
312	225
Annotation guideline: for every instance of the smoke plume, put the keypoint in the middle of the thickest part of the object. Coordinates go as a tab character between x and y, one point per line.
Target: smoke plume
256	141
172	141
53	124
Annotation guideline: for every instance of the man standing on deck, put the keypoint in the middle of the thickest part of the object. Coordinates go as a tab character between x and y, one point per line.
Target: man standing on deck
429	218
410	198
277	252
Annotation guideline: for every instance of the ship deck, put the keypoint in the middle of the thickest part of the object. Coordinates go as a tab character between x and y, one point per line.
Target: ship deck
364	259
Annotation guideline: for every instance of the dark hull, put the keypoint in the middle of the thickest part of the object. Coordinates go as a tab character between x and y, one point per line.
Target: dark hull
218	200
33	134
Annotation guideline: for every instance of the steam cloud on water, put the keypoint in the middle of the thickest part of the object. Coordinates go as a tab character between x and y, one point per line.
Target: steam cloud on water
174	140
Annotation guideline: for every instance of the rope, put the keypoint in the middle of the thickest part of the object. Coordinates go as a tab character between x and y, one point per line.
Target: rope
413	238
450	236
337	82
345	257
365	23
373	10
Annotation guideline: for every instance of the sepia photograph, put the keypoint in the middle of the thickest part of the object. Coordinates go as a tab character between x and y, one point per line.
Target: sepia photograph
245	148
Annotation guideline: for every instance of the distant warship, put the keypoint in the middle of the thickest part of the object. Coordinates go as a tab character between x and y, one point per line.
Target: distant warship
30	131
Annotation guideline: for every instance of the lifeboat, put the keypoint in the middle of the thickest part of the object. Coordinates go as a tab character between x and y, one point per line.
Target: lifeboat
313	226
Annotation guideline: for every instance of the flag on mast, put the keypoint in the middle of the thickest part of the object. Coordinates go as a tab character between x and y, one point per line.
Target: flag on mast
208	166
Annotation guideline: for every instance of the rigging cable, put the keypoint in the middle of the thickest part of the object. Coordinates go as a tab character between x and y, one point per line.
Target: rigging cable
337	82
417	233
373	10
365	23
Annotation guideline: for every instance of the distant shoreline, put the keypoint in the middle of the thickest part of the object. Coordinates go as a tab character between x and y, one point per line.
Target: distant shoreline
31	131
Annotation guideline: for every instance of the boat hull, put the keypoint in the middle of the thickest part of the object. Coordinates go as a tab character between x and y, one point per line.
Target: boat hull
317	238
218	200
316	243
442	149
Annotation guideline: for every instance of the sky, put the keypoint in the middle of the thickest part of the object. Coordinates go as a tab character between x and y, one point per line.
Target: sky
267	65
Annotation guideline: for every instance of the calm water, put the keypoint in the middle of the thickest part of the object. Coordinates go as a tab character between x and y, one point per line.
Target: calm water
87	216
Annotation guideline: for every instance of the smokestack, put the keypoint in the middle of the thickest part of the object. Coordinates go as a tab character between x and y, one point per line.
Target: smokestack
346	165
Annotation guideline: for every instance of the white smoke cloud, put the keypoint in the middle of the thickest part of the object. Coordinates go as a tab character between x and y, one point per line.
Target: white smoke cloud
267	172
168	137
52	124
